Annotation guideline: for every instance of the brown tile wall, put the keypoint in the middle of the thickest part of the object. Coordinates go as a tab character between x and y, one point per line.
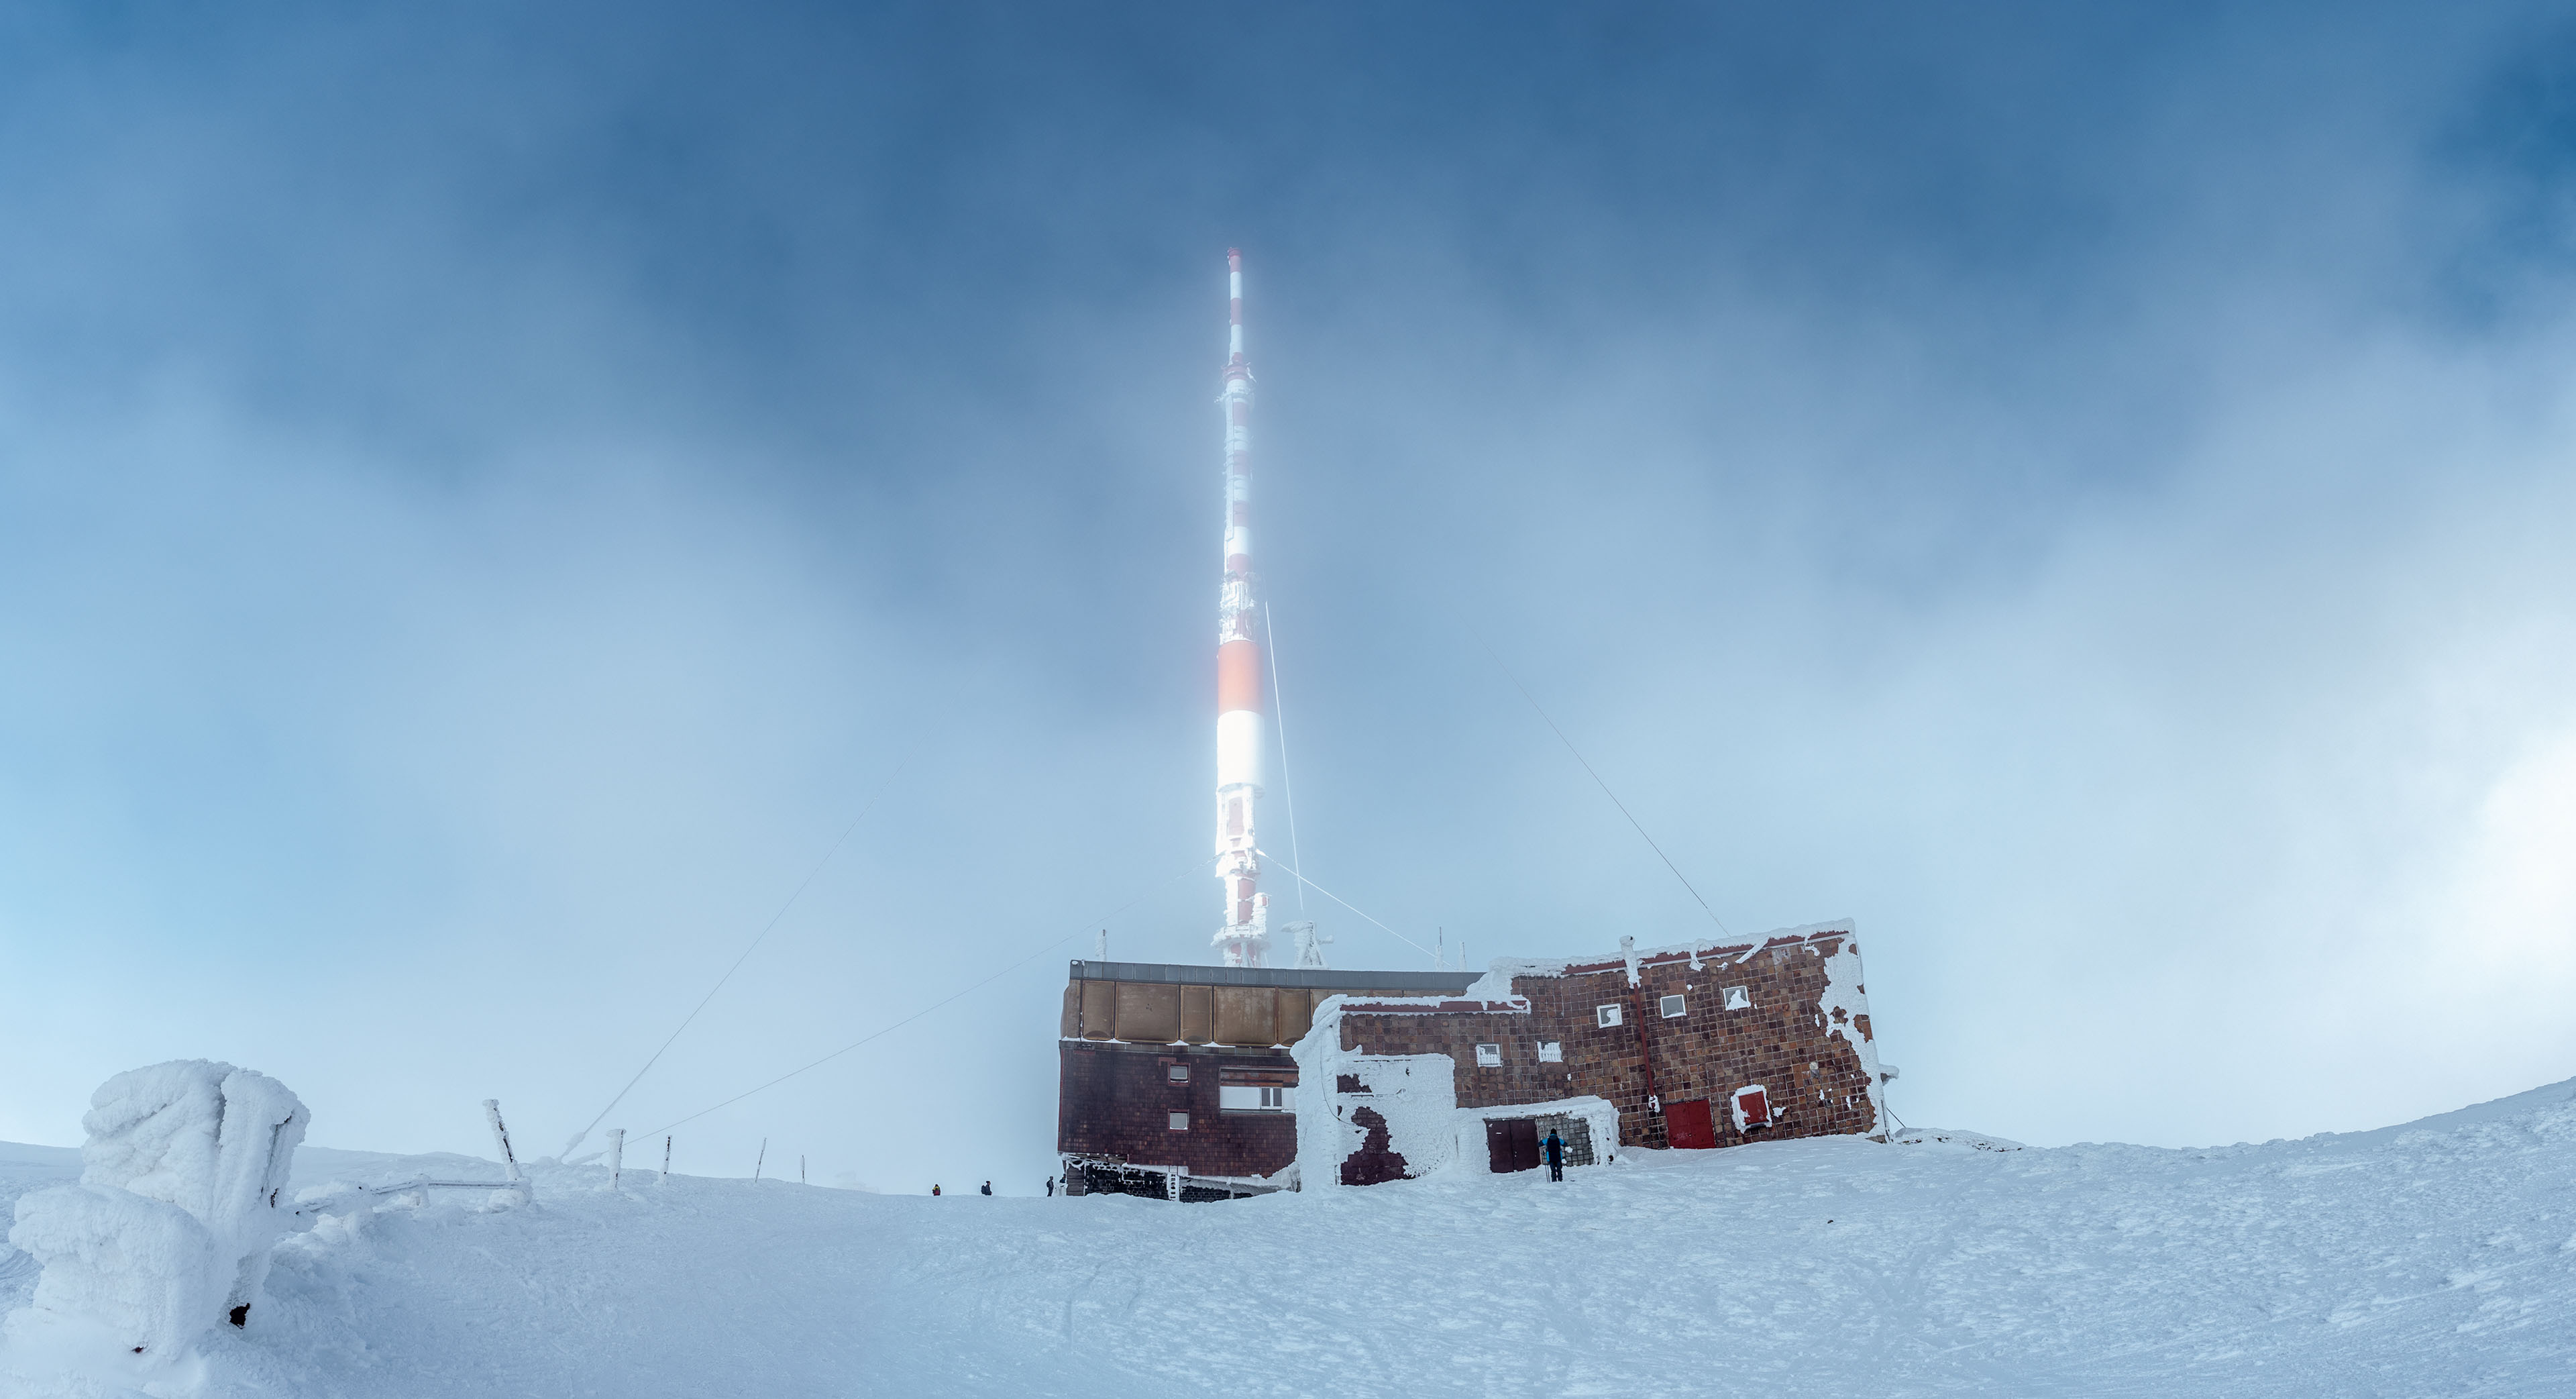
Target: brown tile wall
1707	1053
1115	1101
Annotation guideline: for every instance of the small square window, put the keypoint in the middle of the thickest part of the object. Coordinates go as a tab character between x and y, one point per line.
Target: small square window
1672	1007
1489	1056
1752	1107
1737	998
1606	1015
1551	1052
1180	1073
1180	1122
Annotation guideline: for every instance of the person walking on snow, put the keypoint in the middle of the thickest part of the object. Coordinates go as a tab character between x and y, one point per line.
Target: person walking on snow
988	1187
1050	1187
1555	1156
934	1190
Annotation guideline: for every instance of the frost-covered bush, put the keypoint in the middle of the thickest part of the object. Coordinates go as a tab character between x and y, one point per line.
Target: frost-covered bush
170	1228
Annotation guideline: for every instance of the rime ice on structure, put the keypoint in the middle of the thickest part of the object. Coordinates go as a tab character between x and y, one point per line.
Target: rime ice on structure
1245	938
1682	1046
1390	1115
124	1276
168	1231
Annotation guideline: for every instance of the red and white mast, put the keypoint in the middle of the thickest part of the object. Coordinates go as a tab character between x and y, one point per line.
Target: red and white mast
1245	938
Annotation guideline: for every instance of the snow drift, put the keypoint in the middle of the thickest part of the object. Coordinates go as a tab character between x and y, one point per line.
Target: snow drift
2434	1258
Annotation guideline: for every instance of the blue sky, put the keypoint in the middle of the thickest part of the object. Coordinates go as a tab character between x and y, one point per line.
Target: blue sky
486	498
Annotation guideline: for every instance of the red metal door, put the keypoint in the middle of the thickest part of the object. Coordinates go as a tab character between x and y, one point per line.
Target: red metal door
1498	1146
1524	1144
1687	1125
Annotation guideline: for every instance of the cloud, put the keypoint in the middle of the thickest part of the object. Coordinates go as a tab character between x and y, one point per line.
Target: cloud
484	510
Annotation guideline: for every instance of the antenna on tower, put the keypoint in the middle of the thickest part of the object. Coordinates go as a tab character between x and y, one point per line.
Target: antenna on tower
1244	939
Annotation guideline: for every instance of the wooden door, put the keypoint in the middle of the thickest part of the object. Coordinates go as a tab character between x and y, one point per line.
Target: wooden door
1687	1125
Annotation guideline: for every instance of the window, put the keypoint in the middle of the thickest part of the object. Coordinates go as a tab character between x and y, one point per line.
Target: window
1606	1015
1256	1097
1489	1056
1752	1107
1551	1052
1180	1122
1180	1073
1672	1007
1737	998
1256	1090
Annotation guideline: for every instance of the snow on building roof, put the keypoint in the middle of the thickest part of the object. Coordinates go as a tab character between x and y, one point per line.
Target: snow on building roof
1496	984
1321	979
1428	1005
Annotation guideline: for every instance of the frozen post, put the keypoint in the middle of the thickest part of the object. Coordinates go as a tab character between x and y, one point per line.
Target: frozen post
616	1153
1103	954
666	1158
761	1160
501	1138
501	1134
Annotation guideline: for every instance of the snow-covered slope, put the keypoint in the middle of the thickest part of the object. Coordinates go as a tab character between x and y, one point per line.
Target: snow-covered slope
2438	1258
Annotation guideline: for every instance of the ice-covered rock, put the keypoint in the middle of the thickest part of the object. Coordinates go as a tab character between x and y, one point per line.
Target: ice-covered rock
169	1230
214	1140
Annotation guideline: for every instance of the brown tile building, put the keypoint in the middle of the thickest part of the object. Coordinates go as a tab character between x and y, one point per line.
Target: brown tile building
1182	1082
1693	1047
1176	1080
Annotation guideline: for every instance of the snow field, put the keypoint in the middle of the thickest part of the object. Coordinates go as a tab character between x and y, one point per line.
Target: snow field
2433	1259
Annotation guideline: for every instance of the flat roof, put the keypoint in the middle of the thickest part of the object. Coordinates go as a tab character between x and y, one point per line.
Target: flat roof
1315	978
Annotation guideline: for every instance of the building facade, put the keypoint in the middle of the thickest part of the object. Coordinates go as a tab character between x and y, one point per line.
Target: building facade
1177	1080
1206	1082
1689	1046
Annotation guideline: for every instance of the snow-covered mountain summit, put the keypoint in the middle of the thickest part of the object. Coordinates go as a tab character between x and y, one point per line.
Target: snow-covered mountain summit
2436	1257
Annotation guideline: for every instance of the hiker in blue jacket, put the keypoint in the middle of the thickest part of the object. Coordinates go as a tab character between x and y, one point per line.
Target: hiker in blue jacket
1555	1156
